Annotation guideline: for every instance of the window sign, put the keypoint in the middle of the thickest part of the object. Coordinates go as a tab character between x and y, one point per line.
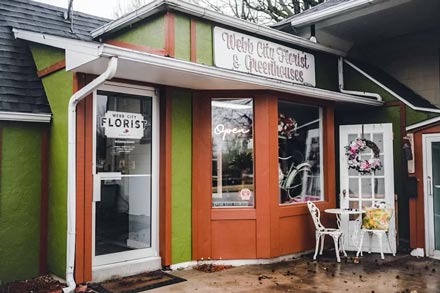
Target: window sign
244	53
232	153
123	125
299	153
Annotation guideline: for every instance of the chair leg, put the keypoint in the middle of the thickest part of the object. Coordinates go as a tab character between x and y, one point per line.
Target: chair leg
342	243
336	240
389	244
361	242
322	243
379	235
317	236
370	235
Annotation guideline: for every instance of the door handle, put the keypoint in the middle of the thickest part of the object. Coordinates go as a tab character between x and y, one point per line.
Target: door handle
437	186
429	181
344	193
97	178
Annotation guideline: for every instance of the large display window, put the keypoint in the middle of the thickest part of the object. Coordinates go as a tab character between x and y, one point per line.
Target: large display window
232	153
299	152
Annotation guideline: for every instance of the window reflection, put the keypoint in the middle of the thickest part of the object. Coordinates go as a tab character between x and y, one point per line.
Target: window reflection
232	153
299	152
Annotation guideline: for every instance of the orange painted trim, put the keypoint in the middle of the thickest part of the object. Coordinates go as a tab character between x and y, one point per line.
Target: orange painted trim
44	193
169	34
329	163
165	179
137	47
265	172
80	200
88	188
233	214
417	205
51	68
193	41
201	179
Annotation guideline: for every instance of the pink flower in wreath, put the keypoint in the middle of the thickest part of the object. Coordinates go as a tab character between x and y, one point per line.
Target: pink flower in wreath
364	165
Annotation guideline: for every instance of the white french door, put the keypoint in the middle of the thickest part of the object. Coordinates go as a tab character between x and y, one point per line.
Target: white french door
359	191
431	171
125	175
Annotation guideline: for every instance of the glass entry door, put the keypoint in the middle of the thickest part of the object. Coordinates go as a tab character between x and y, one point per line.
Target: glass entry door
125	189
432	194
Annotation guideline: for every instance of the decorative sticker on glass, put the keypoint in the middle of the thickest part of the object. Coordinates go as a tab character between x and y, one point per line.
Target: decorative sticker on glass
123	125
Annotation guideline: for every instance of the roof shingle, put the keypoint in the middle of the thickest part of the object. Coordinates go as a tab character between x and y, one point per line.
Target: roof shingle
21	89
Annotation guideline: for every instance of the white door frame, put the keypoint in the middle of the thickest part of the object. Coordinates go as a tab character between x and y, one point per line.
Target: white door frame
131	262
427	140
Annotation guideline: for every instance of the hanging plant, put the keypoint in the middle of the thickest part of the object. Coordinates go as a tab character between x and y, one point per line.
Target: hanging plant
353	151
286	126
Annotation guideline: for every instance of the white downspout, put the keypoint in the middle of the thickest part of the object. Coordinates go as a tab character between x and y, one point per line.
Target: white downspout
71	167
356	93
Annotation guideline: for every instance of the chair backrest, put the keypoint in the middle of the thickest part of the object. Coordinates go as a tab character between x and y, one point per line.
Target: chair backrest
316	215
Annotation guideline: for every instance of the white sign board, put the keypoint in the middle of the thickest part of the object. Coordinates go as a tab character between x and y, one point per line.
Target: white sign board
123	125
240	52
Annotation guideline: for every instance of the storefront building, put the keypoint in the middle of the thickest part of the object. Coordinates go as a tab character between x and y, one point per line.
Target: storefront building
179	134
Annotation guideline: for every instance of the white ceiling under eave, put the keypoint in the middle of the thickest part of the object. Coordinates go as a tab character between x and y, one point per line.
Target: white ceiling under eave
150	68
381	20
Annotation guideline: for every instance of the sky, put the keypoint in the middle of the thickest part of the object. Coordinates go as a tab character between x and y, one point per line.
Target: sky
103	8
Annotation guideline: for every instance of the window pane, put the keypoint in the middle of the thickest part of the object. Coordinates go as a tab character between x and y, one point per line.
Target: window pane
232	153
299	152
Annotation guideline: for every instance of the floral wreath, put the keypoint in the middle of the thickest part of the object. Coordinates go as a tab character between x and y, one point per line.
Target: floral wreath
286	126
353	150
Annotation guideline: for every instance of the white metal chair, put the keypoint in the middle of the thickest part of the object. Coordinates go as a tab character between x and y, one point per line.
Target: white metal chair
376	222
321	231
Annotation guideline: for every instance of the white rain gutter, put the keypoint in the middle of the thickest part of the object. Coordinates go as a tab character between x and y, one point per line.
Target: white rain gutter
71	167
195	10
391	91
25	117
312	18
341	84
423	123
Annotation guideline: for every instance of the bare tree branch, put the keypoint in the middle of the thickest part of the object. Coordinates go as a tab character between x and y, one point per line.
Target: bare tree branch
257	11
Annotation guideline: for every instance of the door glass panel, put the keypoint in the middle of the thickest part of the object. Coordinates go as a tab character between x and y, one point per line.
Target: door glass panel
123	146
379	188
378	140
366	187
436	192
353	188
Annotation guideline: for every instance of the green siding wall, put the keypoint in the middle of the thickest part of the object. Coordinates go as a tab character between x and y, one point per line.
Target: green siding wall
181	130
45	55
182	40
58	88
148	33
204	43
20	201
326	71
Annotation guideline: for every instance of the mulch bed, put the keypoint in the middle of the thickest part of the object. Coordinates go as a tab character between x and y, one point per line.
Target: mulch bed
41	284
211	268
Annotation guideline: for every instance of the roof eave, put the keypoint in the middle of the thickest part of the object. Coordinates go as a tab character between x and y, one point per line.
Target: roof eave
25	117
243	80
312	18
188	8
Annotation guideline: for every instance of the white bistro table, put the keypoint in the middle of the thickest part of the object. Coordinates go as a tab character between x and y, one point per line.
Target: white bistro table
339	213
